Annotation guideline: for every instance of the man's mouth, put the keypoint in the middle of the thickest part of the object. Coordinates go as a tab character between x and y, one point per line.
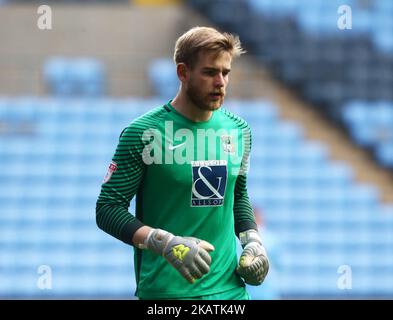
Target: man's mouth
216	95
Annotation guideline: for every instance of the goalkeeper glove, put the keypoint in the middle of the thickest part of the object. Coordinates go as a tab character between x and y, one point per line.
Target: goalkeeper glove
253	263
188	255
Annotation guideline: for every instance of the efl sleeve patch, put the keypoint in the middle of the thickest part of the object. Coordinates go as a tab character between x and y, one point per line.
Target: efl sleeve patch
112	168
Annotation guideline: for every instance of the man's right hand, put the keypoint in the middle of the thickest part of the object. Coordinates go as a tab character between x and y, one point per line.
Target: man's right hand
190	256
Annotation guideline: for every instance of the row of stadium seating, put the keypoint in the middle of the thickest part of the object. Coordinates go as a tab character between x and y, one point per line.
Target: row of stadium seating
373	18
322	217
74	76
371	126
317	18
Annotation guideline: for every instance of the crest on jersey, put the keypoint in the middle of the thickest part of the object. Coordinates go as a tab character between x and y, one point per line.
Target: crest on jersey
228	144
209	180
112	168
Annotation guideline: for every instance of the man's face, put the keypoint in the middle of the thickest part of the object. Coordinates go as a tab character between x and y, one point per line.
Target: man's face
208	79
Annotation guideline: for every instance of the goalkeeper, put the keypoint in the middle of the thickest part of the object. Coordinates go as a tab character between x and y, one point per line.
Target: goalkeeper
186	163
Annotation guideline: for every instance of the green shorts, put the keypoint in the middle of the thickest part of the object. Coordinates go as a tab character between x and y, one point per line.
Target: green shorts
238	293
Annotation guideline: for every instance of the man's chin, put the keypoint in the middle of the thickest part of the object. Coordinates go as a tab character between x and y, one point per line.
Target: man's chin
215	105
210	105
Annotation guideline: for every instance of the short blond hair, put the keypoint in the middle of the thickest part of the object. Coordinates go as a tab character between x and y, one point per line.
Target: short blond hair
204	38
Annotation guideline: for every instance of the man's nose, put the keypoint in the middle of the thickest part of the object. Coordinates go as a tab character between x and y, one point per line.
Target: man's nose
219	80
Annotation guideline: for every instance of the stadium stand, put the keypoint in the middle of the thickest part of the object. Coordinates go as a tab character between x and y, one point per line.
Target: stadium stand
323	217
299	41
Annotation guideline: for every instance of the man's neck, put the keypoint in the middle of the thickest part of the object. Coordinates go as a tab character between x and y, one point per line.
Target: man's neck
188	109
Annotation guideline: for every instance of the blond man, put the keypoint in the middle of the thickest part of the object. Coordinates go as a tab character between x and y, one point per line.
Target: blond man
186	161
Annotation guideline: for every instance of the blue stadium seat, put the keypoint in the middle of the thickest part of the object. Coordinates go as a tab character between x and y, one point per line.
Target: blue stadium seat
163	78
384	154
355	112
57	77
74	77
255	112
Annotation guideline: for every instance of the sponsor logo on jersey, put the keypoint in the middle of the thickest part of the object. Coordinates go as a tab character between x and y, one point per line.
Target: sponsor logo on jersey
112	168
209	179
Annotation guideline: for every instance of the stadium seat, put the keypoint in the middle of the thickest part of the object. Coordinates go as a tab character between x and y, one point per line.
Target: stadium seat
74	77
384	153
163	78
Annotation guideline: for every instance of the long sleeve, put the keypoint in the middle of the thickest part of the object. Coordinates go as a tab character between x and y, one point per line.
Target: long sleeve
242	208
122	182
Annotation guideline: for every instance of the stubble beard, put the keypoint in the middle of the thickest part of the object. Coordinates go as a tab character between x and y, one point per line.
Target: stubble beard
202	102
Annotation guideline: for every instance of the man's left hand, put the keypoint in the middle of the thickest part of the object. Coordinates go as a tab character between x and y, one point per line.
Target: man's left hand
253	264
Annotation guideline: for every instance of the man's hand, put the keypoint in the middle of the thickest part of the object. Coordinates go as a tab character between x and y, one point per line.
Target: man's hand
253	263
190	256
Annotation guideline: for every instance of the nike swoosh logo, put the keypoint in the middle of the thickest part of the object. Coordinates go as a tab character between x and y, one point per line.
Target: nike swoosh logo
172	147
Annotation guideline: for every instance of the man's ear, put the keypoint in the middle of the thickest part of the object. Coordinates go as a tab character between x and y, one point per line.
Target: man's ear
182	72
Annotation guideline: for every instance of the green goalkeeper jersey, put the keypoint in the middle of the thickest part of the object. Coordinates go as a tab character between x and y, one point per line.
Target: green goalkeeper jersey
189	178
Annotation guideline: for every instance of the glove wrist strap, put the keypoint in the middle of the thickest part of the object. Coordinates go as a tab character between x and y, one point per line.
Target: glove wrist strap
157	240
144	244
249	236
